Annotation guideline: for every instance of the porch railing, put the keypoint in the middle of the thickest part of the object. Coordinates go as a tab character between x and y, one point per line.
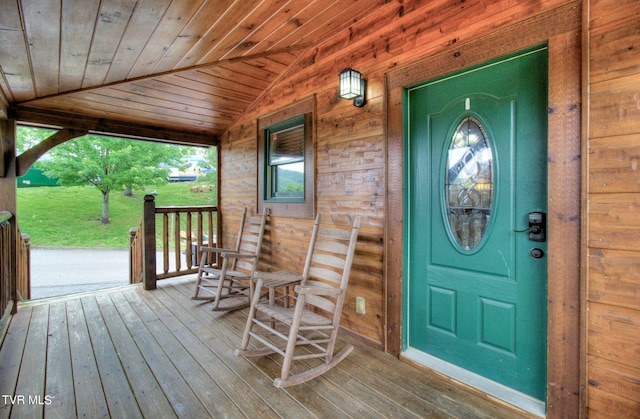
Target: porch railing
166	243
7	269
15	272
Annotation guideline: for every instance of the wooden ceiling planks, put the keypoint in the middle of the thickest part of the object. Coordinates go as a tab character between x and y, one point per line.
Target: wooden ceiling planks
166	34
259	39
98	105
245	24
42	24
303	19
338	16
78	22
16	73
113	19
17	82
191	65
146	16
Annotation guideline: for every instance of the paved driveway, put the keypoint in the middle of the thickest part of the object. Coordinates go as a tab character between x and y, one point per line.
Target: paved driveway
59	272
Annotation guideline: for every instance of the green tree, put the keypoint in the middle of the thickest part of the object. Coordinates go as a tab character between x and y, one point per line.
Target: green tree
27	137
111	164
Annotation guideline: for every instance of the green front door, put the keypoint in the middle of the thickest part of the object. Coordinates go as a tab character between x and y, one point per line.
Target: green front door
476	177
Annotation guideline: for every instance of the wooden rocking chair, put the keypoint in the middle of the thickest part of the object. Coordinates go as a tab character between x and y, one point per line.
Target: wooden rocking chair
308	330
229	287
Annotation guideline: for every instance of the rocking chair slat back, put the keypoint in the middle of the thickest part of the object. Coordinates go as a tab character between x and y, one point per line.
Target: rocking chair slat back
251	236
231	282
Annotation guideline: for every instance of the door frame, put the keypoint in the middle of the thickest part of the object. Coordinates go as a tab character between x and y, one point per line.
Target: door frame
560	29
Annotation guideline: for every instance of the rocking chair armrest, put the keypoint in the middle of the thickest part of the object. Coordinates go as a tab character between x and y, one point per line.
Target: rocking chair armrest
214	249
287	276
235	255
317	290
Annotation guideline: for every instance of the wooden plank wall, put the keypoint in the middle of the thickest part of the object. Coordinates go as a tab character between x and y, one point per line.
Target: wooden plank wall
350	147
613	196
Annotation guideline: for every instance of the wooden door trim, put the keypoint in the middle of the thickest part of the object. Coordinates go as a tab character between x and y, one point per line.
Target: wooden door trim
560	29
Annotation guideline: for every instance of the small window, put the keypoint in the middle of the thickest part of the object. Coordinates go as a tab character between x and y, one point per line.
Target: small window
285	161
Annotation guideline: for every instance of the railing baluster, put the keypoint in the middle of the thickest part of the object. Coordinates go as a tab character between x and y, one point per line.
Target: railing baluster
165	242
24	266
211	240
136	269
177	229
199	235
188	241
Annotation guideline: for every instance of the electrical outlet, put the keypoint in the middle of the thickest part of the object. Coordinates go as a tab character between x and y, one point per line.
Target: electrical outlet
360	305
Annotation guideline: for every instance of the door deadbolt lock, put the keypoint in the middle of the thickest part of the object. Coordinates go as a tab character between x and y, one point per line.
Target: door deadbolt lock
537	253
537	226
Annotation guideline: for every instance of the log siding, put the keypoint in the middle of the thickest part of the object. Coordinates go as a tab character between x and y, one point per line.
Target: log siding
611	297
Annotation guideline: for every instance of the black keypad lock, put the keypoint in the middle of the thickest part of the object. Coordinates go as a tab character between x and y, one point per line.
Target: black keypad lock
537	226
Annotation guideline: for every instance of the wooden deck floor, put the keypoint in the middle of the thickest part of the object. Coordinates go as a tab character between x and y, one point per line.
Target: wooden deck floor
128	353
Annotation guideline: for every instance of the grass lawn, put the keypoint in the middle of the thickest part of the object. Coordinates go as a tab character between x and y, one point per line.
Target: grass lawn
70	216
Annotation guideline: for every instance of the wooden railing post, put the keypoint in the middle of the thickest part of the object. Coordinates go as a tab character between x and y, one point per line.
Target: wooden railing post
149	240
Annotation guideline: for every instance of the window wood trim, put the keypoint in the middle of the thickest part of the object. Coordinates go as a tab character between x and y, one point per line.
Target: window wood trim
304	209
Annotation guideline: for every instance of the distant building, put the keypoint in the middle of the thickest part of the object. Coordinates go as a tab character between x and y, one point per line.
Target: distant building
34	178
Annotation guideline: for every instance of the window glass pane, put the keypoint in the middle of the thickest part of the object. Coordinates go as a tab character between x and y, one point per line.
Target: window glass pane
286	146
288	180
469	183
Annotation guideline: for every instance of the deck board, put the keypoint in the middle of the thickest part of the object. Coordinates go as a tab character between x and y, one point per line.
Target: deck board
224	376
11	357
311	397
90	398
244	372
31	383
152	400
213	399
59	379
183	400
127	352
118	393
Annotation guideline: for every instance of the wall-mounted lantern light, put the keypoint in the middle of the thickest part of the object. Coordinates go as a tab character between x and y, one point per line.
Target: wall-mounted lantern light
353	86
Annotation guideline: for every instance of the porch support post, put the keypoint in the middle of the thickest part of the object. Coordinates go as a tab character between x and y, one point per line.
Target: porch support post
149	242
8	195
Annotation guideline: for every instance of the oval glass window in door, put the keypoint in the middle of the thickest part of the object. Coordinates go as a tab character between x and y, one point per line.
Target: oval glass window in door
469	183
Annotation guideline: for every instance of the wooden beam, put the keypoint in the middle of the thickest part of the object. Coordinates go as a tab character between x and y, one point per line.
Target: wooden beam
113	128
25	160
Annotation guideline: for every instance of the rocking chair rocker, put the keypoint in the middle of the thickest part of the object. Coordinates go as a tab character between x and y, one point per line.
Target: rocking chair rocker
308	330
229	286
